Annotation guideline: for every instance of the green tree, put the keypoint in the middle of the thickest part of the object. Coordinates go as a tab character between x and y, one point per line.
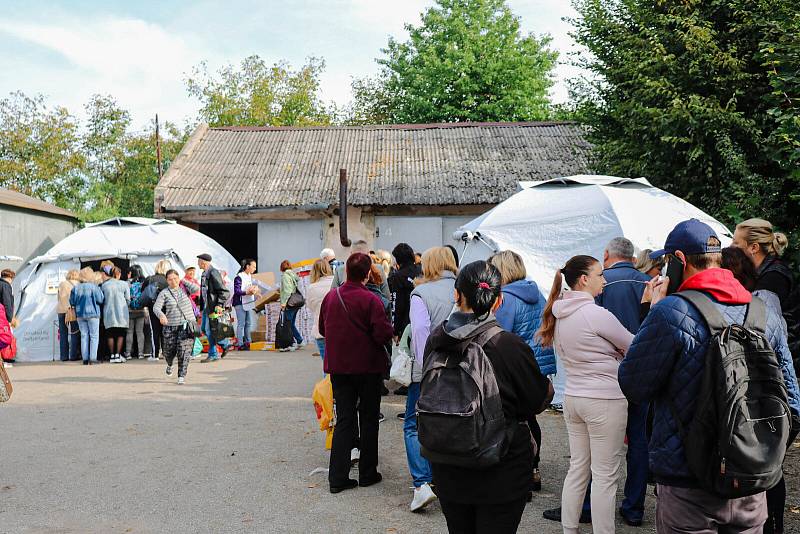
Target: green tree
40	151
257	94
689	94
104	139
467	61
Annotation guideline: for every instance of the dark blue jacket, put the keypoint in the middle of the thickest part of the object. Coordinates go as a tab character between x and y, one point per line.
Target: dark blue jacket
622	293
521	313
665	364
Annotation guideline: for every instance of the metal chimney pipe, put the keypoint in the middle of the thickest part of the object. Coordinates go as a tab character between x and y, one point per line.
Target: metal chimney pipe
343	208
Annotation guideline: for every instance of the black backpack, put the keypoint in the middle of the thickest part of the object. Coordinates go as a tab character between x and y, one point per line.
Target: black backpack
738	435
460	417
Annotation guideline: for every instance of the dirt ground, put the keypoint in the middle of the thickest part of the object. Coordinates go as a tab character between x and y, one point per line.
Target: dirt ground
123	449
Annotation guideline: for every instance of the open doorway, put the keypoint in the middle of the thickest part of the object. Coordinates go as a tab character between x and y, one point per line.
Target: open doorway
239	239
123	264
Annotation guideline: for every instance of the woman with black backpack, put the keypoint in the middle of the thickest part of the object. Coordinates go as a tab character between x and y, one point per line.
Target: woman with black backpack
480	498
136	316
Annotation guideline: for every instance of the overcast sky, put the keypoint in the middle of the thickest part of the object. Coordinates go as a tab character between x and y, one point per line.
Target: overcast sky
139	52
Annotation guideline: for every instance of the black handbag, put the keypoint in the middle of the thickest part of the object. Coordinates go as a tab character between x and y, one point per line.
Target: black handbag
189	329
296	300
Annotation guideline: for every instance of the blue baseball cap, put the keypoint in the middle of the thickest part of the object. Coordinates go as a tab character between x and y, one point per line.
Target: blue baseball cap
690	237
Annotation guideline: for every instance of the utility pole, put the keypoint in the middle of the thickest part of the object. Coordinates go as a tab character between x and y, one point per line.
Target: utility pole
158	149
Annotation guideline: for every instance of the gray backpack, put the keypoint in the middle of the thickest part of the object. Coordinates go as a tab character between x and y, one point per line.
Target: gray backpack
460	417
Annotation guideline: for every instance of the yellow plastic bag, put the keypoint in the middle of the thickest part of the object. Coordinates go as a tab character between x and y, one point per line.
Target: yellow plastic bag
323	405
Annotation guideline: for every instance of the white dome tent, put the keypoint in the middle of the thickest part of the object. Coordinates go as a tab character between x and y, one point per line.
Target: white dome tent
550	221
138	240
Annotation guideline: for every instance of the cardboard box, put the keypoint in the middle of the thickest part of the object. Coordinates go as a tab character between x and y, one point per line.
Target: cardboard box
265	278
272	296
258	336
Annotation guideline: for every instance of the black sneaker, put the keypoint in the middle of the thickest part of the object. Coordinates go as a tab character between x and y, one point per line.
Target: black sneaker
370	481
225	351
350	484
381	417
554	514
628	521
402	390
402	416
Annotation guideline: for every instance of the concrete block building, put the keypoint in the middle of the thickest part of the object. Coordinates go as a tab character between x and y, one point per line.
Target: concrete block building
272	193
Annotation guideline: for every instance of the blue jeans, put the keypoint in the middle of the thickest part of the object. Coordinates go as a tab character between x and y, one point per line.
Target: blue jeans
90	337
205	325
420	467
68	343
321	347
291	315
244	324
638	462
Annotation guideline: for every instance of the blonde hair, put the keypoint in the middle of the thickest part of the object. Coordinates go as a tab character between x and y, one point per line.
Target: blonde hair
98	277
510	265
385	260
759	231
73	274
320	269
645	264
86	275
435	261
163	266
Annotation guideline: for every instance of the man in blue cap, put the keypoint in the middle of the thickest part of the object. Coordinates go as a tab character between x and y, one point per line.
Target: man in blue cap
665	366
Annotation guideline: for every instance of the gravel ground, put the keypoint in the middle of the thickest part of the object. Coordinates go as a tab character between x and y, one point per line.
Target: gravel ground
123	449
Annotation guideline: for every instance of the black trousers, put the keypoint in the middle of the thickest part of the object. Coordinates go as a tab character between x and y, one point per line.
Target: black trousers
157	333
353	394
501	518
776	503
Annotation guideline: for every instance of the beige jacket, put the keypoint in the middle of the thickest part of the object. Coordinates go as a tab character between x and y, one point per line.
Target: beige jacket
64	289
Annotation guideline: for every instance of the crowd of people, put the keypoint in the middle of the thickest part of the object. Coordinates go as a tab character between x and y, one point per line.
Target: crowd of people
103	317
635	336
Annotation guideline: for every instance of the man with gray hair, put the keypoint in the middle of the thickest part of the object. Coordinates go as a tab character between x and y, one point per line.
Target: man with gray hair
622	296
340	276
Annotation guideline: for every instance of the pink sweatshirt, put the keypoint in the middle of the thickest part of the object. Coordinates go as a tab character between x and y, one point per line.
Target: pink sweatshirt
590	342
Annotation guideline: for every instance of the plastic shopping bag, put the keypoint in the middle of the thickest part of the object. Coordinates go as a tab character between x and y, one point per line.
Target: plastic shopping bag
323	405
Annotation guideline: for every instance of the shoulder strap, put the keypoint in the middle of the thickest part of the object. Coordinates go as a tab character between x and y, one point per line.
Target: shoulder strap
756	318
484	337
716	322
178	304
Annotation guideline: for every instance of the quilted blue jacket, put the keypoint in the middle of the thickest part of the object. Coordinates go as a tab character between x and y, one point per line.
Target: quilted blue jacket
665	363
521	313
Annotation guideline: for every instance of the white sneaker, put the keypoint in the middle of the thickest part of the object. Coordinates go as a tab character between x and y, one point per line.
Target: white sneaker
423	496
115	359
122	359
152	359
169	370
8	364
355	455
181	380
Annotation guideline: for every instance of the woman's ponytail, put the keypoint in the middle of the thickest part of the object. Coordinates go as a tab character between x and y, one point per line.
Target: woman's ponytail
548	327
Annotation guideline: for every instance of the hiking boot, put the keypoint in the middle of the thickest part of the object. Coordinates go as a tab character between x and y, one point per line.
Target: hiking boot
423	496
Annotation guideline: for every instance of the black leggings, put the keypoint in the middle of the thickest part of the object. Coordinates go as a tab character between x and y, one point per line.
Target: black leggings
155	328
776	503
500	518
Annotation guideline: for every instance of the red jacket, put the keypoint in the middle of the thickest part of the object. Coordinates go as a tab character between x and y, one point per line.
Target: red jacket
354	344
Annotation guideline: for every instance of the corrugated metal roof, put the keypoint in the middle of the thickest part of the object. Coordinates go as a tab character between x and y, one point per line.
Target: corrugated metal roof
433	164
13	198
